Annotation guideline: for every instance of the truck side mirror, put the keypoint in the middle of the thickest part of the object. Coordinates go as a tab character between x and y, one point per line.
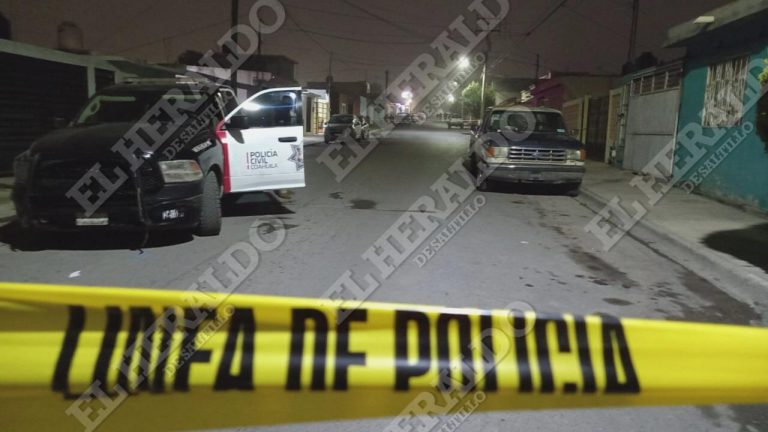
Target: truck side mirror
475	128
238	122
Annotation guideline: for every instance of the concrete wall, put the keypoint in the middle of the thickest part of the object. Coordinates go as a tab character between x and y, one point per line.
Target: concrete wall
741	177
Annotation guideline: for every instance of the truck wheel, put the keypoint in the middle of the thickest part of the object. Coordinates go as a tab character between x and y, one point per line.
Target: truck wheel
573	190
483	186
210	212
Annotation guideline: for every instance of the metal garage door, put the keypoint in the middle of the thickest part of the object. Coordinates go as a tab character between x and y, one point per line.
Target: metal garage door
651	118
32	93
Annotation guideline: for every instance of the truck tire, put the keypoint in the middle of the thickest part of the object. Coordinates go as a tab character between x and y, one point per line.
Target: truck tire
482	186
572	190
210	212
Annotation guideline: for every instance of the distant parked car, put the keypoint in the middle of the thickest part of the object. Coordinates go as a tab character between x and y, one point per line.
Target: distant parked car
404	119
526	145
456	121
341	125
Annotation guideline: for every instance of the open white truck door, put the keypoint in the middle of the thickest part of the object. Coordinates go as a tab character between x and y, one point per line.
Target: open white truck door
263	142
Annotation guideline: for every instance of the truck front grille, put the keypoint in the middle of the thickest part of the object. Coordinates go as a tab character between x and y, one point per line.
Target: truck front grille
526	154
54	178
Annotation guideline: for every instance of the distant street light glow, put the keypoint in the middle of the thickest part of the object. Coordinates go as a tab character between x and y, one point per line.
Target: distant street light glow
463	63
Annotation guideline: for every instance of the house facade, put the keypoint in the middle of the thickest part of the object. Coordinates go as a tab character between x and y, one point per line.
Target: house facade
256	73
40	85
352	97
584	100
718	151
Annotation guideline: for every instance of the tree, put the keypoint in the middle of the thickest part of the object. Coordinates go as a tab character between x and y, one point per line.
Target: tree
471	98
764	75
761	122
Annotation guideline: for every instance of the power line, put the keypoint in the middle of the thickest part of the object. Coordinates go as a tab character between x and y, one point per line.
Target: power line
316	42
601	24
384	20
359	40
173	36
545	18
138	15
369	18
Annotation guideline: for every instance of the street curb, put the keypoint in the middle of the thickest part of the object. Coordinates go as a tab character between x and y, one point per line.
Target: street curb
739	279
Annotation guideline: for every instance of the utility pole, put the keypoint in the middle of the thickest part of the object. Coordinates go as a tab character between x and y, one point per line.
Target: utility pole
485	64
330	79
633	31
538	63
232	68
259	37
482	88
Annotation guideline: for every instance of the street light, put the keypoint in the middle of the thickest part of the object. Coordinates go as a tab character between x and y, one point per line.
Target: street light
463	63
407	95
451	99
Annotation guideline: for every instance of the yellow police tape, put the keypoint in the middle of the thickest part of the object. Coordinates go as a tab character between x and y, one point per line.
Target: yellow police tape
207	361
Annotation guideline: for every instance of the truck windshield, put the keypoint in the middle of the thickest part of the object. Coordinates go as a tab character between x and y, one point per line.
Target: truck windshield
533	121
343	118
130	107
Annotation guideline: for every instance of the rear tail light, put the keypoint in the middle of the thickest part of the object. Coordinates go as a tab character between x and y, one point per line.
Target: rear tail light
221	135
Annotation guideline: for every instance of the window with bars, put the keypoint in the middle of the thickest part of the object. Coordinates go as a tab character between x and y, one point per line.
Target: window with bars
724	94
659	81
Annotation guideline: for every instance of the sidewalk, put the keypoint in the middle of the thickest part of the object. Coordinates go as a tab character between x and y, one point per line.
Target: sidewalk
719	242
311	139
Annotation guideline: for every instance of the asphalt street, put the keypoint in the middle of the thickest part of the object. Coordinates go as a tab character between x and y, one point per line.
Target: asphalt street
522	245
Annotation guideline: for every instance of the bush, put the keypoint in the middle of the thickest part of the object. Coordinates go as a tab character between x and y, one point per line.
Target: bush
764	76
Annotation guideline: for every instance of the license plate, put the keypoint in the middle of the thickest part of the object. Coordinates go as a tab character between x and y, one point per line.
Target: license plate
535	175
92	221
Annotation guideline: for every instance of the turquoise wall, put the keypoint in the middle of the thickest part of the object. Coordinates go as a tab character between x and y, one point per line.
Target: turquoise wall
742	177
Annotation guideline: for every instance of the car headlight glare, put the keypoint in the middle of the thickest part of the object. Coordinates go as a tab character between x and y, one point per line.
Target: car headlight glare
181	171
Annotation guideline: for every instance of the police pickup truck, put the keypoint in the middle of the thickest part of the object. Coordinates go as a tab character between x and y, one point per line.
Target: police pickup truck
160	155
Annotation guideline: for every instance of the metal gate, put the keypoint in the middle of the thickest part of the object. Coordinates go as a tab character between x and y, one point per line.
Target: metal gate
597	128
651	116
613	134
573	114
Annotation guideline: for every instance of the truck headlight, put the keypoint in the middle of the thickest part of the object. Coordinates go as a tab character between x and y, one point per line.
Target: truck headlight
181	171
21	166
497	152
576	155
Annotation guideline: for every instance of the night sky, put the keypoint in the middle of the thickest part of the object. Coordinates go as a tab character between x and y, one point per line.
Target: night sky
585	35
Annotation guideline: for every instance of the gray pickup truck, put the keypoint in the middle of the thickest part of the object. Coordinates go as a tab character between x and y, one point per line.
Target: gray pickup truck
518	144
